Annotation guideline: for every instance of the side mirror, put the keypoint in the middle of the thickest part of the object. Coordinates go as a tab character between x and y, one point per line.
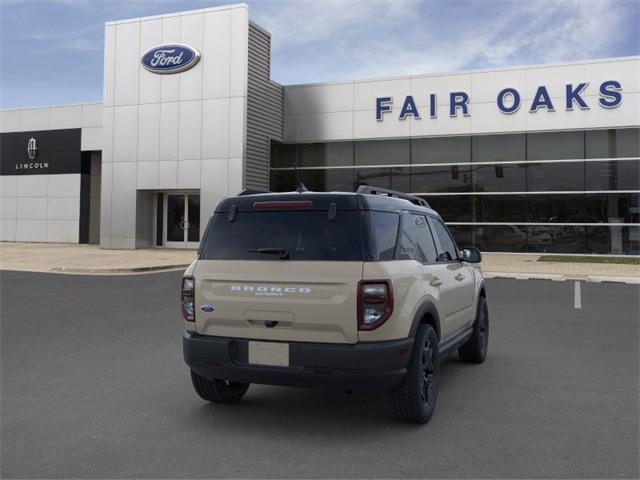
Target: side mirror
471	255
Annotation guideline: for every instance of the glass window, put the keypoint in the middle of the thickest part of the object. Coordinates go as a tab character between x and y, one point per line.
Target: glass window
555	145
440	179
310	154
282	155
338	154
308	235
500	208
613	240
613	175
339	180
397	178
612	143
314	180
282	181
543	177
555	208
416	241
613	208
556	239
499	148
452	208
383	228
441	150
382	152
500	238
449	251
499	178
462	234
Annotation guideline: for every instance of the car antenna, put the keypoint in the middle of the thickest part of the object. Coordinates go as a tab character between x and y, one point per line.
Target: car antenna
301	188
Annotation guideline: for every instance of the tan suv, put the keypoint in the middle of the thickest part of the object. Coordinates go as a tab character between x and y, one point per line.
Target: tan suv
353	291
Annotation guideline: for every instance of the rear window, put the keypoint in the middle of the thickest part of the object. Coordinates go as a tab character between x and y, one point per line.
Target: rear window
383	233
304	235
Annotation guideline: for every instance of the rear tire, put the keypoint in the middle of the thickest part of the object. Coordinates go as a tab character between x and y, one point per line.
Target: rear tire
218	391
475	350
415	400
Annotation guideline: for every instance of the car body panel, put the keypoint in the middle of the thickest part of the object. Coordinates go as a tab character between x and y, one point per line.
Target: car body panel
302	301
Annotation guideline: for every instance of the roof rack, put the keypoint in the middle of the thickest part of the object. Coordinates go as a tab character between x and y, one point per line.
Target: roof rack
252	192
393	193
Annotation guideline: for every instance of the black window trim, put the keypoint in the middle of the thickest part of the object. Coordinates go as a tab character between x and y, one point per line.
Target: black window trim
439	245
404	214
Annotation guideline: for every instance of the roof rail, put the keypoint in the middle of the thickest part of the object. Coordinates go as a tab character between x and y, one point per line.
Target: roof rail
393	193
252	192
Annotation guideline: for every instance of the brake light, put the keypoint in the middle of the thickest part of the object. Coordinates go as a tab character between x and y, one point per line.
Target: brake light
375	303
283	204
187	299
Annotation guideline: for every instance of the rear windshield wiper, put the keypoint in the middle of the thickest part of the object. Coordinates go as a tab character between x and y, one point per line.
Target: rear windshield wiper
283	252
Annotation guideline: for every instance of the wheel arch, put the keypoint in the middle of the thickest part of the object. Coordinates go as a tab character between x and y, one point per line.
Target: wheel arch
427	314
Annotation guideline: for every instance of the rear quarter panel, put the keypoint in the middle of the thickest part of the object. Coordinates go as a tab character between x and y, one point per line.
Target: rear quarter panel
409	291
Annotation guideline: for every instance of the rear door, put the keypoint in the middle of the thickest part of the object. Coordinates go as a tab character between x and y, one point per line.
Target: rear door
280	274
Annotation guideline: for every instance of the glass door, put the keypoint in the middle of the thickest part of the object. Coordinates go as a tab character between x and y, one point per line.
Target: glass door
182	220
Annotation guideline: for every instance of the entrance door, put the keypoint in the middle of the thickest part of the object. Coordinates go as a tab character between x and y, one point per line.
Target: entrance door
182	220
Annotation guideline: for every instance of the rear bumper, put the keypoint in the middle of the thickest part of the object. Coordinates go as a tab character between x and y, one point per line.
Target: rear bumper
374	366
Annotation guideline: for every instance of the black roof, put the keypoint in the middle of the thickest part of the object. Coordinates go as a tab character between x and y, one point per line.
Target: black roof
322	200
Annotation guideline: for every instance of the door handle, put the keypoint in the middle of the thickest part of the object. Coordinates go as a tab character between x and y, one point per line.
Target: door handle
436	282
459	277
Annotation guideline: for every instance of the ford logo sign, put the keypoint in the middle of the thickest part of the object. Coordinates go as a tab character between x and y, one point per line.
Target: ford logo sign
173	58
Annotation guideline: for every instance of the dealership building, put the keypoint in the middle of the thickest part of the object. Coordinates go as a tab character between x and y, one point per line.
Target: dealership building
541	158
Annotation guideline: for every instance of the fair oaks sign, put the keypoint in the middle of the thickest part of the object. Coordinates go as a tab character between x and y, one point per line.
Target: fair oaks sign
508	101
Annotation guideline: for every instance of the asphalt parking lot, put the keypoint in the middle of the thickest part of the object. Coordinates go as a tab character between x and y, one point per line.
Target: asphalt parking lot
93	386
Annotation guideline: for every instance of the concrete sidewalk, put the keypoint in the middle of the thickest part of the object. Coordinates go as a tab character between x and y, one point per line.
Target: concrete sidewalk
525	266
71	258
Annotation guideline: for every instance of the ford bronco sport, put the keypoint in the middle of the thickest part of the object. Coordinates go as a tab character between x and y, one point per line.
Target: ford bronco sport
353	291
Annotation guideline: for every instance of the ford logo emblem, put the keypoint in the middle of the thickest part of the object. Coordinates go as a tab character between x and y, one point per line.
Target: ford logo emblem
207	307
173	58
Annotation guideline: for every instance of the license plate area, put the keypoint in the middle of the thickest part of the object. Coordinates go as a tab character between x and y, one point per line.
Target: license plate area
269	353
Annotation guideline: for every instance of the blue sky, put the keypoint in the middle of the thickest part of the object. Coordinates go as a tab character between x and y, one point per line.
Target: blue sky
51	51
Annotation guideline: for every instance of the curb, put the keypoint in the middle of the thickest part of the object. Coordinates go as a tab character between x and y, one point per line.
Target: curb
562	278
154	268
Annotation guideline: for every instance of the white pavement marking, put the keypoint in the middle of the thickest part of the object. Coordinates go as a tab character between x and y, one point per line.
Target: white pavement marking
577	296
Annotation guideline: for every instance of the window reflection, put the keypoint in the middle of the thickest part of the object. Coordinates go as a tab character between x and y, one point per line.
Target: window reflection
556	239
447	178
397	178
499	148
499	178
382	152
613	175
555	145
555	208
613	207
613	240
543	177
612	143
441	150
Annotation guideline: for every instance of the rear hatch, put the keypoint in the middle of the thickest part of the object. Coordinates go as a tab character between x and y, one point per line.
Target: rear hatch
277	270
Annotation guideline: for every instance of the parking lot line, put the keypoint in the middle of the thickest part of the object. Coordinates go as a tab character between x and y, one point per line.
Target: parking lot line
577	296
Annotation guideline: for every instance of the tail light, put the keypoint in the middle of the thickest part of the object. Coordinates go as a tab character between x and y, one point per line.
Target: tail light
187	299
375	303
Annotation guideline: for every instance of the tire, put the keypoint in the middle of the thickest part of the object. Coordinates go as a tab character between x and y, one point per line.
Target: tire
415	400
218	391
475	349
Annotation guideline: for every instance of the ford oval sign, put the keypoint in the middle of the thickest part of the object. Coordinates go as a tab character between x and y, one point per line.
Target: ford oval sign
173	58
